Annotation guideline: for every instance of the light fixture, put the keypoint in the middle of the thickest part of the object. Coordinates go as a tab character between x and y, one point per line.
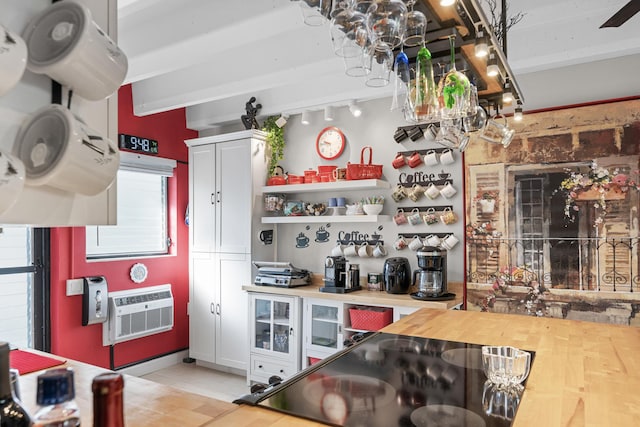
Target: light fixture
282	120
447	2
492	66
517	116
481	47
329	113
507	95
356	111
306	119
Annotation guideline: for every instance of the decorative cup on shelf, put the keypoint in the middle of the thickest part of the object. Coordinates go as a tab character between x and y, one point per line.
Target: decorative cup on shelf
339	174
448	190
416	192
414	218
432	191
446	157
337	250
379	251
399	161
449	242
399	194
351	250
430	217
415	243
448	217
372	209
432	240
400	218
414	160
400	244
365	250
431	158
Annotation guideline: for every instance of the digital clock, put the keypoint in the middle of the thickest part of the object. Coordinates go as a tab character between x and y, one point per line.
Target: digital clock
138	143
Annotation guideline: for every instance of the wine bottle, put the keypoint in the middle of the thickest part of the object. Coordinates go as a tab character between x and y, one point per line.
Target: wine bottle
108	410
12	414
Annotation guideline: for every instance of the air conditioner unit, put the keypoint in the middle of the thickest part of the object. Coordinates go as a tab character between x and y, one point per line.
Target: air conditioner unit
138	313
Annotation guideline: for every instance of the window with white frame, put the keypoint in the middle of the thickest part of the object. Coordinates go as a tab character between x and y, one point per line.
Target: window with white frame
141	228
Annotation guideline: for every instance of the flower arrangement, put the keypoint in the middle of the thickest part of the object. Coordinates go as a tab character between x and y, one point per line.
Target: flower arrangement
598	179
481	230
533	303
486	195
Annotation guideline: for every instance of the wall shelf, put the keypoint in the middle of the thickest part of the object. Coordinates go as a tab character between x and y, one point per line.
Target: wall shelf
323	218
361	184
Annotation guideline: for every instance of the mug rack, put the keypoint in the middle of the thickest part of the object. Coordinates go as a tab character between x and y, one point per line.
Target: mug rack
438	150
440	208
423	235
427	182
414	132
359	242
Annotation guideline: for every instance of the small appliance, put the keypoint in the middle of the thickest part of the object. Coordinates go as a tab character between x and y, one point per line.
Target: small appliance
397	275
335	276
281	274
430	278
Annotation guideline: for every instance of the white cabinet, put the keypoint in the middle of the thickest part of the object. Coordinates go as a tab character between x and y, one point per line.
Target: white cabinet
323	329
218	308
226	173
275	336
221	201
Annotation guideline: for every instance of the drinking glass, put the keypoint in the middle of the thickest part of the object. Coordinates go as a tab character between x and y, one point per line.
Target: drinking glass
496	132
454	90
379	64
402	74
505	366
416	27
314	12
386	22
425	102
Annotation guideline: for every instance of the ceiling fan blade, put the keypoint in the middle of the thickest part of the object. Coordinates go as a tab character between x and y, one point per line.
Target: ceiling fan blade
623	15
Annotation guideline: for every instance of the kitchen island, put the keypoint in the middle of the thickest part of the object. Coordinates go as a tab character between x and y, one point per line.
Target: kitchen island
584	374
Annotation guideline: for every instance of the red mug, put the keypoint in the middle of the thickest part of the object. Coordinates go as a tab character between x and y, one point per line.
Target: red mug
415	160
399	161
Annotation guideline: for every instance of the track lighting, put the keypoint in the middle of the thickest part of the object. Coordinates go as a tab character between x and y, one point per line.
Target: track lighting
492	66
517	116
282	120
507	95
355	109
481	47
306	119
328	113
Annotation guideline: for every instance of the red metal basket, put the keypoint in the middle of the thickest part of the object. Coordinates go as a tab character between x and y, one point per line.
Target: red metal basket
370	318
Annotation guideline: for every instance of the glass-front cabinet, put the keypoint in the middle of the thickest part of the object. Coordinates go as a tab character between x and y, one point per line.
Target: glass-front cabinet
323	329
275	336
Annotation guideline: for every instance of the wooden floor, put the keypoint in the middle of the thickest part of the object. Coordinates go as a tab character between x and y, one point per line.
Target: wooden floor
200	380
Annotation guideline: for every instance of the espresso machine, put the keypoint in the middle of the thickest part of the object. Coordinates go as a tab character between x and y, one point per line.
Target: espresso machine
337	279
430	278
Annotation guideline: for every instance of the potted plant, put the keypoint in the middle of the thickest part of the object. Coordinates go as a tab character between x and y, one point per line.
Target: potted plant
487	201
275	142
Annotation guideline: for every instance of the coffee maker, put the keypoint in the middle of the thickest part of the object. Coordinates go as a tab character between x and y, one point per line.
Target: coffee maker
335	275
430	278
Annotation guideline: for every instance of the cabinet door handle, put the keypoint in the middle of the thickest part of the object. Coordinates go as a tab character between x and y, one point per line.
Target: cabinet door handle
291	331
259	366
211	308
218	193
282	371
218	309
213	201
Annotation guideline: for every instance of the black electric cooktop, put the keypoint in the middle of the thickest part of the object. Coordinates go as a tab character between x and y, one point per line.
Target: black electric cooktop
395	380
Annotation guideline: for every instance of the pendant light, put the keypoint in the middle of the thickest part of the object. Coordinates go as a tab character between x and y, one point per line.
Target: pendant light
492	66
481	48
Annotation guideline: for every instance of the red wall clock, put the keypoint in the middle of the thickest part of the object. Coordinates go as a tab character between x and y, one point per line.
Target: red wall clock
330	143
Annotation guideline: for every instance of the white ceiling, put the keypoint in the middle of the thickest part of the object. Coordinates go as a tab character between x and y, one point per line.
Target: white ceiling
211	56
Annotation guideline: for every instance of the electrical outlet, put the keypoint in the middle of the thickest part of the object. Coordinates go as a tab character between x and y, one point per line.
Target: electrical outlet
75	287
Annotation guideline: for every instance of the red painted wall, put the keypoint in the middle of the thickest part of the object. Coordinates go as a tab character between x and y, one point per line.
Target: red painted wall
68	337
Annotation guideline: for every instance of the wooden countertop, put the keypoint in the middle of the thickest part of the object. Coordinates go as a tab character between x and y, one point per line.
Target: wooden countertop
146	403
584	374
363	296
